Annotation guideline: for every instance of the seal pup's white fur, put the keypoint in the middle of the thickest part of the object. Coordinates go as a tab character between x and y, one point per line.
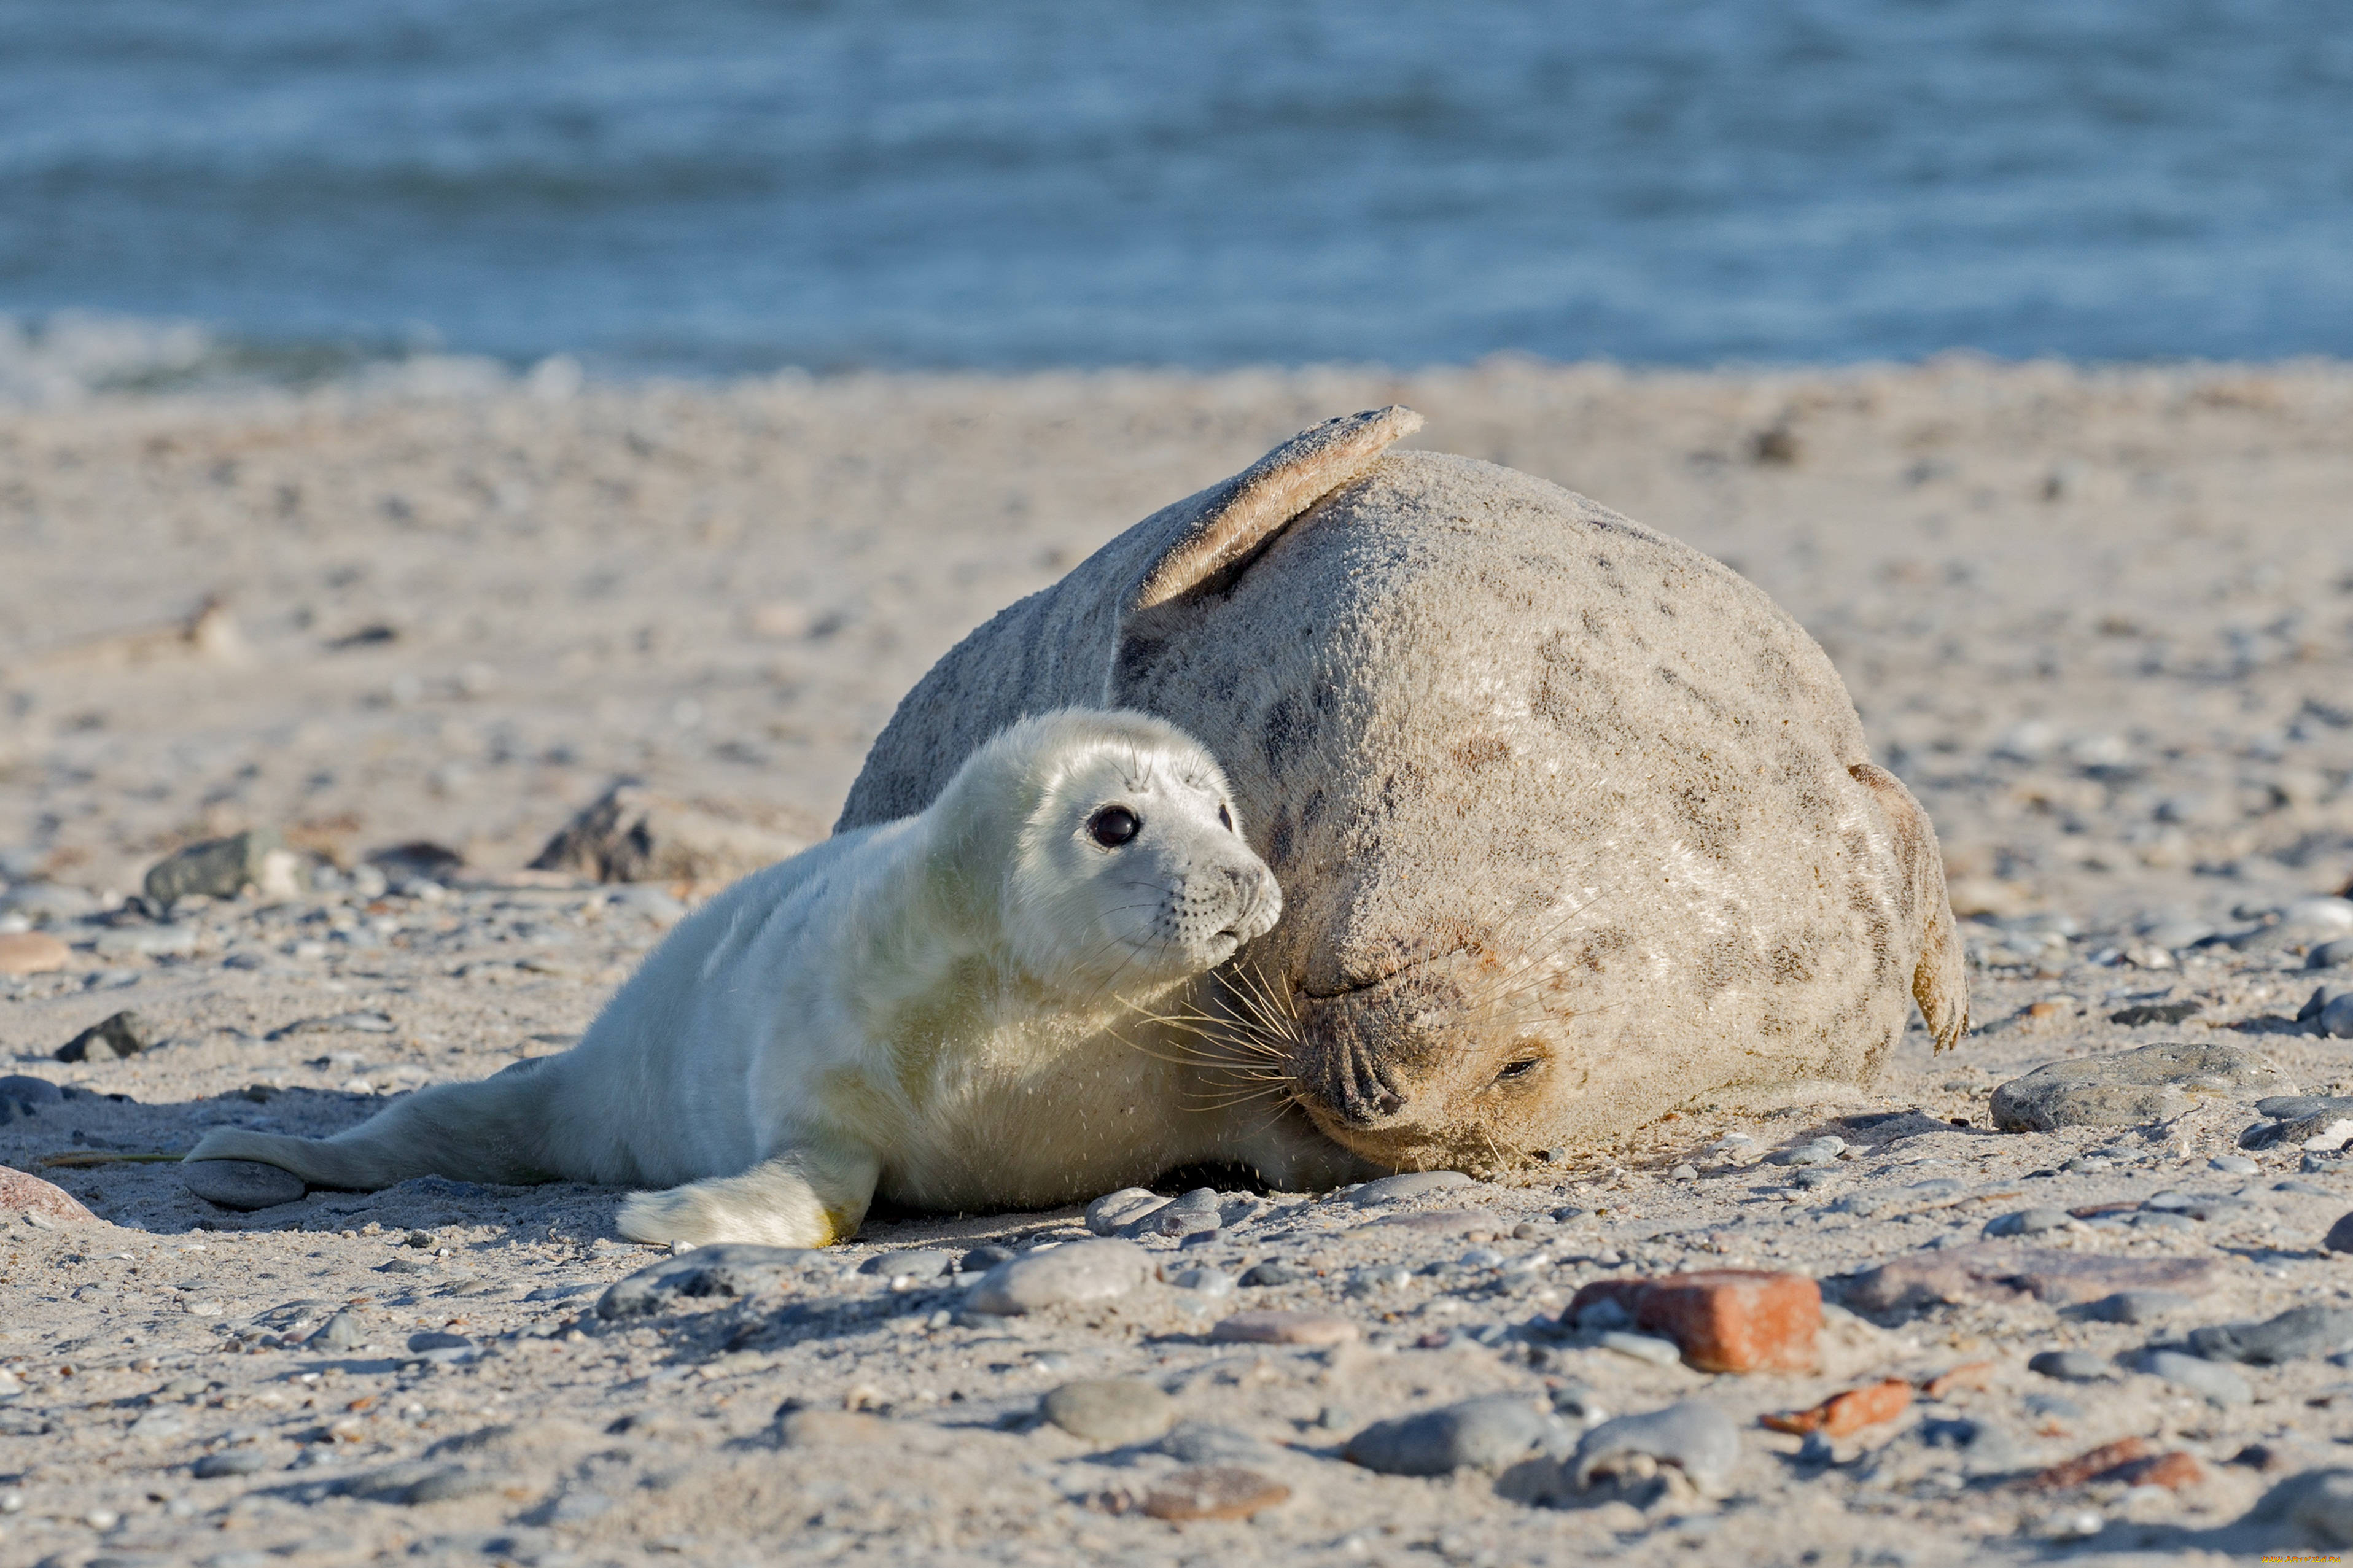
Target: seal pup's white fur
931	1007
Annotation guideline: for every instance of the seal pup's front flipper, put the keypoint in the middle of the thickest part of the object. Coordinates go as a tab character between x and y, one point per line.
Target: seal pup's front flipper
1940	978
802	1197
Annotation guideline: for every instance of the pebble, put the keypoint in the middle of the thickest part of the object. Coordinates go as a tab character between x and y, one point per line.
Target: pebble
1216	1491
1114	1410
731	1269
1723	1320
2002	1271
1985	1449
1380	1277
30	1090
1196	1213
222	868
1818	1151
2218	1385
1486	1434
2233	1164
2128	1088
2337	954
417	1481
2071	1366
230	1462
1078	1271
241	1183
1641	1347
48	903
1109	1213
1814	1177
147	942
2317	1505
1412	1184
110	1039
1278	1328
2295	1334
919	1266
442	1348
2139	1306
1204	1443
2309	1189
1842	1415
340	1332
981	1259
2314	1122
2029	1222
1273	1271
1206	1281
32	952
1695	1436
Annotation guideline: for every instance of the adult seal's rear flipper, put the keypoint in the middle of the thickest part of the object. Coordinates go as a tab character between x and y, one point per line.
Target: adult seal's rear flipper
1069	644
1939	978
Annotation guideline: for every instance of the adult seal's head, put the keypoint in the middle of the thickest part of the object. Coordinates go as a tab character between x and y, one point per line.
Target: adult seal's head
1574	824
1109	848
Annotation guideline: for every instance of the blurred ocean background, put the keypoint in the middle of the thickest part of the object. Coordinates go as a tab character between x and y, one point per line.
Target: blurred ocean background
285	190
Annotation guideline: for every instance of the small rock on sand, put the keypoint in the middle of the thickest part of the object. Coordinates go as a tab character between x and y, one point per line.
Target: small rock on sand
2293	1335
1695	1436
730	1269
222	868
1072	1274
1213	1491
110	1039
241	1183
23	1193
2315	1507
1274	1327
1115	1410
2003	1271
2128	1088
1486	1434
32	952
1412	1184
2217	1384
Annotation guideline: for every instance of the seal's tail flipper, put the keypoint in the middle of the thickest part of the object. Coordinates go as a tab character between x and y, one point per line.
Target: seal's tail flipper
488	1131
1940	979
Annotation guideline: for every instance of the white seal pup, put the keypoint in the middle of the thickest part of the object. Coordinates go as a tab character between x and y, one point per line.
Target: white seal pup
941	1008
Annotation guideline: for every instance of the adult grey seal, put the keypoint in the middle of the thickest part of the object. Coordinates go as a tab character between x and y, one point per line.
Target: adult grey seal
939	1008
1575	826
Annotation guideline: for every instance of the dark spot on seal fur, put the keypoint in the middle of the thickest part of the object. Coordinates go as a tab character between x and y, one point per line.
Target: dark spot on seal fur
1284	732
1478	750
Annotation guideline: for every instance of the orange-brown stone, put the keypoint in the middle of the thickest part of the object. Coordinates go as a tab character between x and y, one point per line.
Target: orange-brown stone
32	952
1975	1376
1213	1491
1723	1320
1849	1412
2091	1466
23	1193
2173	1471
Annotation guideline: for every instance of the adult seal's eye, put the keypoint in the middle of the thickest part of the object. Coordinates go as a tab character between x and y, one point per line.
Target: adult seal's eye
1225	817
1113	826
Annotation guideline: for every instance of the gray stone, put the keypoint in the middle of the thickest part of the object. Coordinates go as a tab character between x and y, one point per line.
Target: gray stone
2029	1222
1202	1443
2340	1235
1485	1433
2316	1505
2126	1089
418	1482
2314	1122
446	1349
1203	1281
2004	1272
48	903
2338	954
1816	1151
1986	1449
2233	1164
2336	1020
1190	1213
231	1462
241	1183
340	1332
2307	1189
145	942
361	1023
1641	1347
2218	1385
1108	1213
1117	1410
2159	1219
223	868
922	1266
1695	1436
733	1268
110	1039
1412	1184
2139	1306
1071	1274
1814	1177
2295	1334
633	833
2071	1366
1379	1278
981	1259
1273	1271
29	1091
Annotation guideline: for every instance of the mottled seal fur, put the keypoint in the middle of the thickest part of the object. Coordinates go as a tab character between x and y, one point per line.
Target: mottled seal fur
1575	825
939	1008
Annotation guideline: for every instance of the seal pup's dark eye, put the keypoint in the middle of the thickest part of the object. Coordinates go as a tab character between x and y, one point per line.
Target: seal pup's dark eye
1225	817
1113	826
1517	1070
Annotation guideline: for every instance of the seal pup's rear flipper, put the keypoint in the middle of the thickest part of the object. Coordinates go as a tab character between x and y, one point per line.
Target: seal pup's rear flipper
488	1131
1939	980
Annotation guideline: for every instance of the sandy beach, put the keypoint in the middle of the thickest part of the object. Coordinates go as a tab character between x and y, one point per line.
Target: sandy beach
2100	621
